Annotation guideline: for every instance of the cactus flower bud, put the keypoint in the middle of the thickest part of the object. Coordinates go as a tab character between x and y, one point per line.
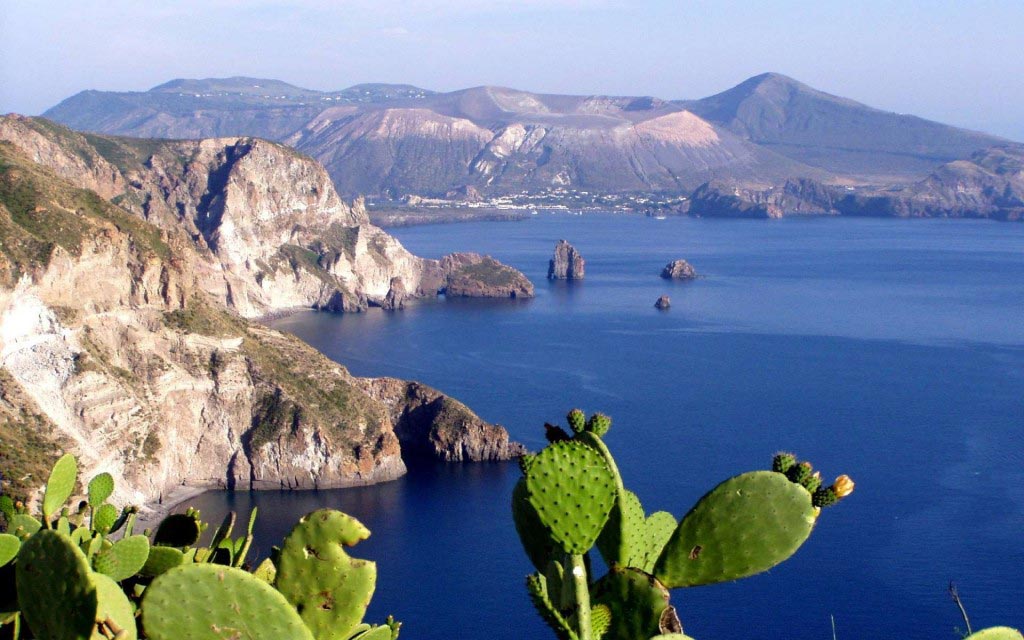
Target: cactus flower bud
843	486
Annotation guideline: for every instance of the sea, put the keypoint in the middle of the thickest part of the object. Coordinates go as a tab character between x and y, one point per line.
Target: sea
889	350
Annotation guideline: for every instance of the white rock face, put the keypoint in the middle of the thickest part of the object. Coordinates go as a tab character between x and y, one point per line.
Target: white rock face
124	343
158	407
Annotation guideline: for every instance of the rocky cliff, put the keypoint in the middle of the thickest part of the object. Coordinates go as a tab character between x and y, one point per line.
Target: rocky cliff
470	275
270	228
112	346
566	263
433	425
990	184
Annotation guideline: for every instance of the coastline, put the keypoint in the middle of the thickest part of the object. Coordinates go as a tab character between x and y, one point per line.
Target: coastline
152	513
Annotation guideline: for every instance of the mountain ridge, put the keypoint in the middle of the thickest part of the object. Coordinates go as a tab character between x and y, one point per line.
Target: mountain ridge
385	142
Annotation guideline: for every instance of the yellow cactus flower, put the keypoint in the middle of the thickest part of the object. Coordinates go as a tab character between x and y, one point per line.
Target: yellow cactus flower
843	486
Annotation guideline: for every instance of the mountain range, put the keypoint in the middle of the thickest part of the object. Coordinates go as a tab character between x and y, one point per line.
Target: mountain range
397	140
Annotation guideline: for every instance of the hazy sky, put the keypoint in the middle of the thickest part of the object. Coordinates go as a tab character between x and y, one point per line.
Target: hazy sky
954	61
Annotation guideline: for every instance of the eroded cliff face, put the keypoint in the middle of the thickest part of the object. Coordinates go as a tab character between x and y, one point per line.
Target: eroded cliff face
432	425
111	346
269	230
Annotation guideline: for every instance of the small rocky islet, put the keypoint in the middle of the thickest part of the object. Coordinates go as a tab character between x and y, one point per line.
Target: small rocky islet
567	263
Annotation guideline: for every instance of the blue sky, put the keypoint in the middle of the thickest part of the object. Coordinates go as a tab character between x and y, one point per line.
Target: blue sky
956	62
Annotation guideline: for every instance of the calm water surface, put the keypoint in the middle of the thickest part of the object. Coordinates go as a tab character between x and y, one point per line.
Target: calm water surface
889	350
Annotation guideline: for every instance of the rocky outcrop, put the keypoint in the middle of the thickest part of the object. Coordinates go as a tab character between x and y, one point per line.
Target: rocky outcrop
679	270
269	229
395	299
111	347
663	302
566	263
431	424
470	275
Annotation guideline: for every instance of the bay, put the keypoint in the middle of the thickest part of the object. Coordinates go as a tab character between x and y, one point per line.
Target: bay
889	350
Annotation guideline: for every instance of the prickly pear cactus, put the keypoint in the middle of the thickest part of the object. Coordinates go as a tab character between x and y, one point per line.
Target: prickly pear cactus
162	559
114	613
104	518
214	602
573	490
60	486
330	590
100	489
123	559
23	525
996	633
658	529
9	546
637	602
177	530
56	593
619	541
746	525
532	533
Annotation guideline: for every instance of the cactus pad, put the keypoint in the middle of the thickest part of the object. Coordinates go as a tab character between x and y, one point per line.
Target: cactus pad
266	571
996	633
330	590
746	525
213	602
783	461
599	424
577	420
161	560
55	591
60	486
100	489
636	601
124	559
24	525
177	530
9	546
573	490
531	530
619	541
104	518
658	528
113	605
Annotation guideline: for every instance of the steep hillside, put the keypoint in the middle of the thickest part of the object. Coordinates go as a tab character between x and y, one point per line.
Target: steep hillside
272	230
111	347
836	134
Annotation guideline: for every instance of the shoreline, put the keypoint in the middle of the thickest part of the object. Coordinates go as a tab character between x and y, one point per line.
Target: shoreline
152	513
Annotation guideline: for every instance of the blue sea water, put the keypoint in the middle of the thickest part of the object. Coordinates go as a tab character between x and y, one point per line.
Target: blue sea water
889	350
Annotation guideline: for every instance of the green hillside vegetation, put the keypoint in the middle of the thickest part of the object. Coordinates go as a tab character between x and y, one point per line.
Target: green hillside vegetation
39	212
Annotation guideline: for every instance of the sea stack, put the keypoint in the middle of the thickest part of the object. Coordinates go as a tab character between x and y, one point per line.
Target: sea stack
566	264
663	303
679	270
395	298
